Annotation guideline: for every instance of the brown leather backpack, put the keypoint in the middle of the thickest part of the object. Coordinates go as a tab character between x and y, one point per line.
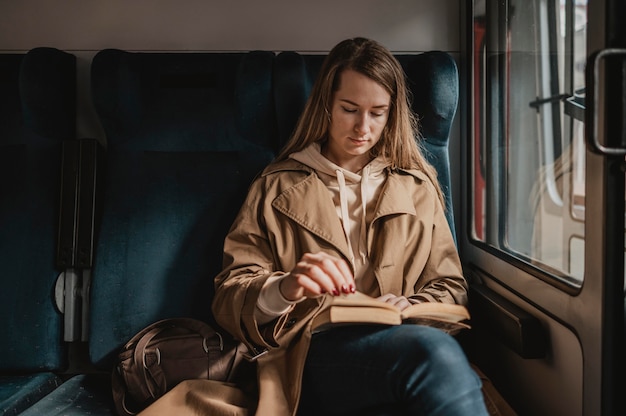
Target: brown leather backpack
166	353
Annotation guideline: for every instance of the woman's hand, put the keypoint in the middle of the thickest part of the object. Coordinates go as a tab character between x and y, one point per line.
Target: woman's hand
316	274
399	302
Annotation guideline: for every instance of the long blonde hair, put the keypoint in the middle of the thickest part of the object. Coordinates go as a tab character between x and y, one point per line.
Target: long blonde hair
397	144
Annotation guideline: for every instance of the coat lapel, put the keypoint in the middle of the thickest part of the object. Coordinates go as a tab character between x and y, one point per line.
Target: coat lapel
394	199
310	205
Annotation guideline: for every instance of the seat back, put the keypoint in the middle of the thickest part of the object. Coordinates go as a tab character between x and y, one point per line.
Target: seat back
432	79
37	113
186	134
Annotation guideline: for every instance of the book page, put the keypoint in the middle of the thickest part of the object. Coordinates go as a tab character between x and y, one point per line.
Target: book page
360	308
433	310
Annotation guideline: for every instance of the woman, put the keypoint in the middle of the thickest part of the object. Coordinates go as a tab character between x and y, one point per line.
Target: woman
349	205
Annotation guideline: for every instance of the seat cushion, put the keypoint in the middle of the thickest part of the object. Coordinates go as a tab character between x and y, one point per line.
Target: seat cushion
80	395
17	393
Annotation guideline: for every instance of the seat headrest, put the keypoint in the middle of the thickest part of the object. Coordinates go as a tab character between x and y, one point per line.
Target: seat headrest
11	124
185	101
434	84
47	83
293	81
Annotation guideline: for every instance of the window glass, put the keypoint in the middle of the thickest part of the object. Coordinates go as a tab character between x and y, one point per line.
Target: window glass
528	152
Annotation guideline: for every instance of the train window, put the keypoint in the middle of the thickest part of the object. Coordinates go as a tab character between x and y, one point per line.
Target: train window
528	152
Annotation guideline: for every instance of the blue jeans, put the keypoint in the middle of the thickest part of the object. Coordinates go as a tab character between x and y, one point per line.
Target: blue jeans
396	370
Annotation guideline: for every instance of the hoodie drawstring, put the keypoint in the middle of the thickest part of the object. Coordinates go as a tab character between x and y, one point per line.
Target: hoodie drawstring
345	216
363	237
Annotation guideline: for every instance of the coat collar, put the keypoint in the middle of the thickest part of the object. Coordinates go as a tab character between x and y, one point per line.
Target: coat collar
310	205
393	199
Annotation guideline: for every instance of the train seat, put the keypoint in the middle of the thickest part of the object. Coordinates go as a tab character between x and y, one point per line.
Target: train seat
186	133
37	114
434	83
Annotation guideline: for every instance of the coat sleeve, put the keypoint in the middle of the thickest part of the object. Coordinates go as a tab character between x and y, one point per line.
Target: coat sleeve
247	264
442	279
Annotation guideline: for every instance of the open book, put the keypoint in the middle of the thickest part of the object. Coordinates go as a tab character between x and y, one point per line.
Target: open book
360	308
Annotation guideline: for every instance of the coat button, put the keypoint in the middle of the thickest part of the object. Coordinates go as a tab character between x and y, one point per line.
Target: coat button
291	322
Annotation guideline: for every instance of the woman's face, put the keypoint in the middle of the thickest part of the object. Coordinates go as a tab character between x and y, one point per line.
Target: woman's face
359	113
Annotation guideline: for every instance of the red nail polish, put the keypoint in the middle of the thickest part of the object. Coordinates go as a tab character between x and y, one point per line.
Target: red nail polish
345	289
335	292
352	289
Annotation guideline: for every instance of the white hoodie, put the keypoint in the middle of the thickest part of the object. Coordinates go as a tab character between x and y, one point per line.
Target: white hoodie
355	196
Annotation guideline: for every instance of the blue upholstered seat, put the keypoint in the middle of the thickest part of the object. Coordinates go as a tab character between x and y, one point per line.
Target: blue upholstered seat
186	134
37	113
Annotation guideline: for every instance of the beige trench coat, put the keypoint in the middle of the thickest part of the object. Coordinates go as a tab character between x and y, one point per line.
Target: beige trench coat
289	212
